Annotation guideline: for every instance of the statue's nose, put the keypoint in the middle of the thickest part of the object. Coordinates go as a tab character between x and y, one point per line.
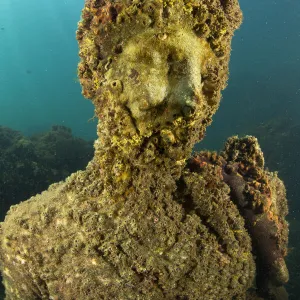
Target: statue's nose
155	90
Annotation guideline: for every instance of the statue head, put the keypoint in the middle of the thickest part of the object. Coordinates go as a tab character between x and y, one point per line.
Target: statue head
156	67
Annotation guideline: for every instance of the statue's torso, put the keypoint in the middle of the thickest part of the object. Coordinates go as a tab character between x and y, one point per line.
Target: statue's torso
71	247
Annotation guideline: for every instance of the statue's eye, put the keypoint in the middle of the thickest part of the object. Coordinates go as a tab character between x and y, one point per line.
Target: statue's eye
143	56
177	67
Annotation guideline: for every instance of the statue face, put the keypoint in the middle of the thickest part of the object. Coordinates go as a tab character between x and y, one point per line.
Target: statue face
160	72
160	64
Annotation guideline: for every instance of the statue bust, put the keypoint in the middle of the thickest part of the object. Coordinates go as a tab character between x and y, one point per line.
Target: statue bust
146	220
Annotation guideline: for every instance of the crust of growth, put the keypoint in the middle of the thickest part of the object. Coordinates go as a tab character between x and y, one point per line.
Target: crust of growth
145	220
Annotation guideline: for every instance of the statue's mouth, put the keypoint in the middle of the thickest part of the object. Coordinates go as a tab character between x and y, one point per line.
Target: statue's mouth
165	116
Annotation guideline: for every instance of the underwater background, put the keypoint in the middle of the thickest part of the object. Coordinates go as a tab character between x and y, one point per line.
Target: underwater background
45	120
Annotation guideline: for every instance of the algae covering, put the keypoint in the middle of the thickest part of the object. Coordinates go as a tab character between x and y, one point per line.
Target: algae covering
145	220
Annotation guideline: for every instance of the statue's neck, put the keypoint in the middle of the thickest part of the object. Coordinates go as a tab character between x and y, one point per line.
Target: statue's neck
123	162
121	148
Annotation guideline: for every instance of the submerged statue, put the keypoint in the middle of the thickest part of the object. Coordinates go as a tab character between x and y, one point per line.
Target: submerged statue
145	220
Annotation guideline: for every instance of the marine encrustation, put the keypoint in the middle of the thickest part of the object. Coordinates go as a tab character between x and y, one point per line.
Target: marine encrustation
145	220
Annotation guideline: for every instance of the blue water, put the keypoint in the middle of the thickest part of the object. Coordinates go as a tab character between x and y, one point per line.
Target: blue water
38	60
38	85
264	71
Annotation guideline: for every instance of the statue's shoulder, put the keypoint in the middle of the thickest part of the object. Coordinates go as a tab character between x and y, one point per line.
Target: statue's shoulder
238	153
27	213
30	222
206	168
40	209
202	180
